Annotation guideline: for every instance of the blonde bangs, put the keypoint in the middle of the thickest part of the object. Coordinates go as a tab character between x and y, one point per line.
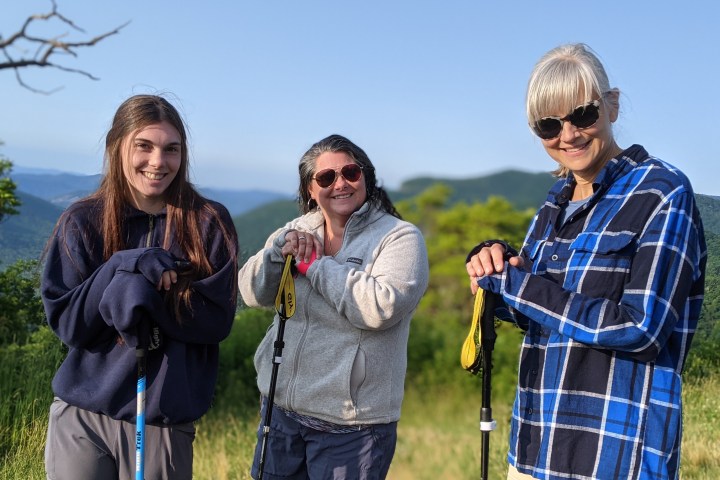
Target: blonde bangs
563	79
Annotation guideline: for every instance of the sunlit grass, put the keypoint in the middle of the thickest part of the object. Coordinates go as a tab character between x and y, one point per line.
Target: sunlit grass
439	437
25	459
701	435
438	434
224	445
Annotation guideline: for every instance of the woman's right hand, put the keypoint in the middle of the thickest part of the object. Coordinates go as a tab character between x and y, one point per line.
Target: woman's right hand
301	245
487	261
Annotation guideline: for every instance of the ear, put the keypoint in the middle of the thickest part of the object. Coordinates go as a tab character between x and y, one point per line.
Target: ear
612	102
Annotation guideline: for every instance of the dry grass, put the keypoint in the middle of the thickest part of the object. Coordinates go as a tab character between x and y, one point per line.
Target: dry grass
701	435
438	438
224	447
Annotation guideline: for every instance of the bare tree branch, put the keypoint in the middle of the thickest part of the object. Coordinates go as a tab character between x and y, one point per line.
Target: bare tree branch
46	47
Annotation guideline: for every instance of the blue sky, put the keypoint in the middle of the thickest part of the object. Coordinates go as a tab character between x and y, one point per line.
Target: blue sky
425	87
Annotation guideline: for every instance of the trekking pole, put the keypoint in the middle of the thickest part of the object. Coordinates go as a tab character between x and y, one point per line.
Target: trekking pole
141	350
141	357
285	307
488	336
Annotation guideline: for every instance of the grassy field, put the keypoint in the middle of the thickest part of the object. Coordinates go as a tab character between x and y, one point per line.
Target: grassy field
438	435
438	438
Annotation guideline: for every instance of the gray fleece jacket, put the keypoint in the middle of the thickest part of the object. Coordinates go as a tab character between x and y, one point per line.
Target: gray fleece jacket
345	353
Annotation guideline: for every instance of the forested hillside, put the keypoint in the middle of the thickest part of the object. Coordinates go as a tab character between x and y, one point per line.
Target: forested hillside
23	236
527	194
522	189
710	209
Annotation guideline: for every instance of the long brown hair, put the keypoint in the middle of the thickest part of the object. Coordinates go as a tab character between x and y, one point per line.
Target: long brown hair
187	210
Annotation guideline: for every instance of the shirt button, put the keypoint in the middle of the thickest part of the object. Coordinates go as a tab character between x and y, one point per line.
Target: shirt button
533	371
529	411
554	258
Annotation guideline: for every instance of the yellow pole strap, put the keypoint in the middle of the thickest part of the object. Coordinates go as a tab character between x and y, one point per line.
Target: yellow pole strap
285	299
470	355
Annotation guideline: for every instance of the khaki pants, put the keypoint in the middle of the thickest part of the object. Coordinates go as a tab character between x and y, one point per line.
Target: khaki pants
513	474
86	445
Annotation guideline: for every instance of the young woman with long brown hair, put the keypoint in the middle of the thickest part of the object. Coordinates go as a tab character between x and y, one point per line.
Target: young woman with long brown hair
112	278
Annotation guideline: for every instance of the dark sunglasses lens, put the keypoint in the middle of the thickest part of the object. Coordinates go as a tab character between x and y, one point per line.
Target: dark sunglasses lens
547	128
585	116
325	178
582	117
351	172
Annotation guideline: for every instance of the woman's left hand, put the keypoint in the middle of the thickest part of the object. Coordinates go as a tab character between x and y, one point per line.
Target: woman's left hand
167	279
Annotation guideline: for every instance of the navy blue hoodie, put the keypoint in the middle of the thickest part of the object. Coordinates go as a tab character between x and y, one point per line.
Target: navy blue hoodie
96	308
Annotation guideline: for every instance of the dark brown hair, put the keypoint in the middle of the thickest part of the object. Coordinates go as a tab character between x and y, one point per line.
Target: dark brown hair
376	195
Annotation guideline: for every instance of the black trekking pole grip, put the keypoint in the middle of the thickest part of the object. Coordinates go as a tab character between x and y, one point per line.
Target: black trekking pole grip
488	336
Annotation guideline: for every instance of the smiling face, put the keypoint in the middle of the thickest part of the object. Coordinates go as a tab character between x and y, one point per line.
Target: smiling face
586	151
342	197
151	159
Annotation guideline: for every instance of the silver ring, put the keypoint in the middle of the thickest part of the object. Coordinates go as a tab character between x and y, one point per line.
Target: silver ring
301	238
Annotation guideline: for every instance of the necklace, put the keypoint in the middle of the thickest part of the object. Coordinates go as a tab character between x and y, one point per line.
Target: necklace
329	250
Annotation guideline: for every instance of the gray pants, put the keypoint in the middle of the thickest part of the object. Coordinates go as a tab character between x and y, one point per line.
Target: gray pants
82	445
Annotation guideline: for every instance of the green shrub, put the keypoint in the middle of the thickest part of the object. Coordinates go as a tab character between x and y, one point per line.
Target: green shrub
236	385
21	310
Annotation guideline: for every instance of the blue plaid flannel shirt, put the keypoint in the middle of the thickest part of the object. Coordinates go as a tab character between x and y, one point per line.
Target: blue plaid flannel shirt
609	300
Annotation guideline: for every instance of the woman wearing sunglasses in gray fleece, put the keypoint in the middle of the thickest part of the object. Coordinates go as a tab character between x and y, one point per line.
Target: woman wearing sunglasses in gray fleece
362	271
607	286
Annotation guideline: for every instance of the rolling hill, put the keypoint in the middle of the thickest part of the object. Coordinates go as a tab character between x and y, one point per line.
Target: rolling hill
523	190
24	235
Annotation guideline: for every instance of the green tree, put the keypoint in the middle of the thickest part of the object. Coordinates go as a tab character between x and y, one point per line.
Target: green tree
704	356
8	200
443	316
451	232
21	309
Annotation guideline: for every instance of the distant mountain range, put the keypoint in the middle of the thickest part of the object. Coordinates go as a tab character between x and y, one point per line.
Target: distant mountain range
257	213
45	194
62	189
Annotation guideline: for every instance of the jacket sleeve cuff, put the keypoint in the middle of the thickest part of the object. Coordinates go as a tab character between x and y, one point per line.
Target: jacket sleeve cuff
278	244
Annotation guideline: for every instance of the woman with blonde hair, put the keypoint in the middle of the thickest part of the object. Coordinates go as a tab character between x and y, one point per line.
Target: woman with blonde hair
608	287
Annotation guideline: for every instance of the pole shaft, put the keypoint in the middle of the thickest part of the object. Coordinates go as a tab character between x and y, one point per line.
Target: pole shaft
488	335
140	354
277	359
